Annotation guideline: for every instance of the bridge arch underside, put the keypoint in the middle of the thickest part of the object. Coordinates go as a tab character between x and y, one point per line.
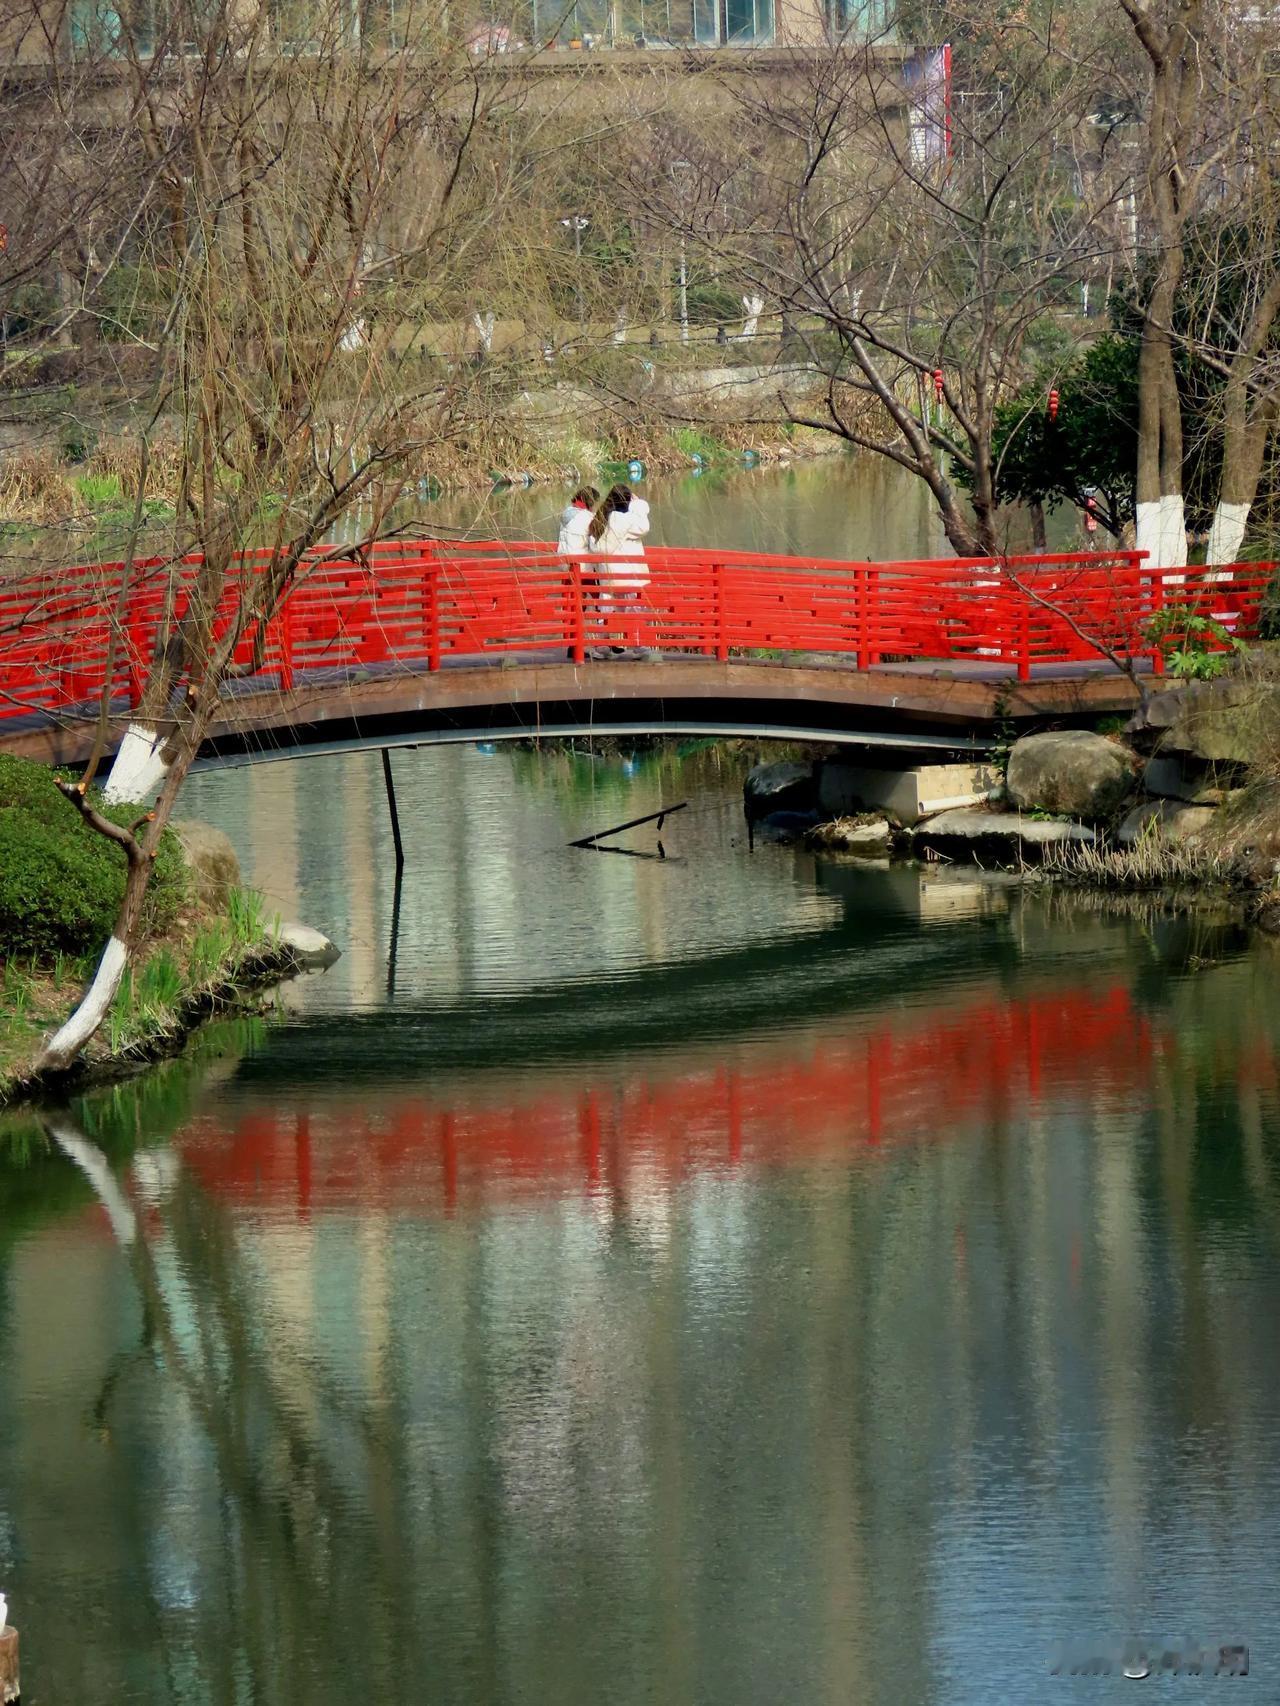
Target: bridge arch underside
929	710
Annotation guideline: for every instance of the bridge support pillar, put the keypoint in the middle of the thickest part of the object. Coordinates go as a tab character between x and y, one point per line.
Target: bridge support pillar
391	807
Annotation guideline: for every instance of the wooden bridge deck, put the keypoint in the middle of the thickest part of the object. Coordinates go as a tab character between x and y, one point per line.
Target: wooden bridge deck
941	705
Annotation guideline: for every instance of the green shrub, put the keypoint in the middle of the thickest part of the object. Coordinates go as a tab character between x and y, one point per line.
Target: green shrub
1195	648
60	883
711	302
131	304
77	441
32	308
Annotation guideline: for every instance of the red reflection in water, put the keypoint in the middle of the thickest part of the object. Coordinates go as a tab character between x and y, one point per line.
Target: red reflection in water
833	1091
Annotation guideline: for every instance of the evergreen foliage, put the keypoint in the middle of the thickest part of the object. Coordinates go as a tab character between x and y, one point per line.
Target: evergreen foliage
60	883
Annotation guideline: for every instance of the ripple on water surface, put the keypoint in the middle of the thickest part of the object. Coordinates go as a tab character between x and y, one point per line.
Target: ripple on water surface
737	1278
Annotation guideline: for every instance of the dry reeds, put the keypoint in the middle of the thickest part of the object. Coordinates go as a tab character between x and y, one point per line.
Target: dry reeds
1151	862
39	486
35	485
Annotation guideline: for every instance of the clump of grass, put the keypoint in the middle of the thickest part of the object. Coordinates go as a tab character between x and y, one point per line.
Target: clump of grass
159	984
208	953
34	485
16	988
99	491
147	1002
43	484
692	443
246	917
581	457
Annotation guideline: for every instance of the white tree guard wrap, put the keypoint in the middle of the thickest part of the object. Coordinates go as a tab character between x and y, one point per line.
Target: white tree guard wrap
140	767
1226	535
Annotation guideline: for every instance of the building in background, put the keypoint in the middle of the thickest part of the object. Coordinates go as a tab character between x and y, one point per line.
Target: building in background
101	28
662	24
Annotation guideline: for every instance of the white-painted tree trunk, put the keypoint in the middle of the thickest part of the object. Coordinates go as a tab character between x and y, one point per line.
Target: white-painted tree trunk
140	767
1147	529
1161	532
97	1169
66	1042
355	337
1226	535
484	324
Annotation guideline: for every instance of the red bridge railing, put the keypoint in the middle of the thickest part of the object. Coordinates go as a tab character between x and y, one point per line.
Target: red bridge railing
417	606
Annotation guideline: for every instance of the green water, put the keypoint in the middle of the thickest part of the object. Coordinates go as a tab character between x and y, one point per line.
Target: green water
736	1277
843	507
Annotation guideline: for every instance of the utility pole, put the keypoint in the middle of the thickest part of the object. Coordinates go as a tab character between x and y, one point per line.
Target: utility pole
577	223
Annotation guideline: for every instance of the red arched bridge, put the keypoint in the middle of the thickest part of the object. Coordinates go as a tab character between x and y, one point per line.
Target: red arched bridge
407	641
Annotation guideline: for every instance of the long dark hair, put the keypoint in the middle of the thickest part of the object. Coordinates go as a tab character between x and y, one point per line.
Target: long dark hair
617	501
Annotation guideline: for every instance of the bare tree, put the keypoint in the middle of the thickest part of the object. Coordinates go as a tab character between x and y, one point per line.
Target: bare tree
1207	140
313	213
915	239
75	187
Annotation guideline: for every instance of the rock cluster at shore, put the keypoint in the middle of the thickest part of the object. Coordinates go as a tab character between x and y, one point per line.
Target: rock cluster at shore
1180	776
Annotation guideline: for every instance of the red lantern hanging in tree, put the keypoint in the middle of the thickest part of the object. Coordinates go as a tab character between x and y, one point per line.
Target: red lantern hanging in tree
1053	403
937	384
1090	515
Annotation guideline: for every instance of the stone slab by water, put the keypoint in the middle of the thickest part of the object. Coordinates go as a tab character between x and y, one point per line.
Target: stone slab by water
1010	828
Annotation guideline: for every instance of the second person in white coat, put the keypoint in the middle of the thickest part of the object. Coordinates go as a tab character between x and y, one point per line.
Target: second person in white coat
617	531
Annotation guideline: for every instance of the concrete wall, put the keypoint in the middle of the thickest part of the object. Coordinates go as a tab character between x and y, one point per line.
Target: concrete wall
903	795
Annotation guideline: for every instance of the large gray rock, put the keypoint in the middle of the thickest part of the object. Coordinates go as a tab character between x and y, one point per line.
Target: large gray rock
777	787
972	825
1070	771
211	860
1171	820
1229	721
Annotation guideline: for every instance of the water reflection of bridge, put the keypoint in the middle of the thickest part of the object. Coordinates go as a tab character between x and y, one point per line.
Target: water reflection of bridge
830	1091
941	1373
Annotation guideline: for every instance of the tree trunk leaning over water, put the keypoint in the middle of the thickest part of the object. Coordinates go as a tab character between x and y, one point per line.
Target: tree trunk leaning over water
70	1038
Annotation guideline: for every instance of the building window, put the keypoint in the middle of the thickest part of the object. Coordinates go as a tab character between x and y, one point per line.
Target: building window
98	28
863	20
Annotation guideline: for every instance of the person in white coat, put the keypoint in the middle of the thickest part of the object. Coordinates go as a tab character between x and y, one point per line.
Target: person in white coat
617	531
575	544
575	522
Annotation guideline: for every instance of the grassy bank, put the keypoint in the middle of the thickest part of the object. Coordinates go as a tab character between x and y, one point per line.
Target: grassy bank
95	491
60	888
